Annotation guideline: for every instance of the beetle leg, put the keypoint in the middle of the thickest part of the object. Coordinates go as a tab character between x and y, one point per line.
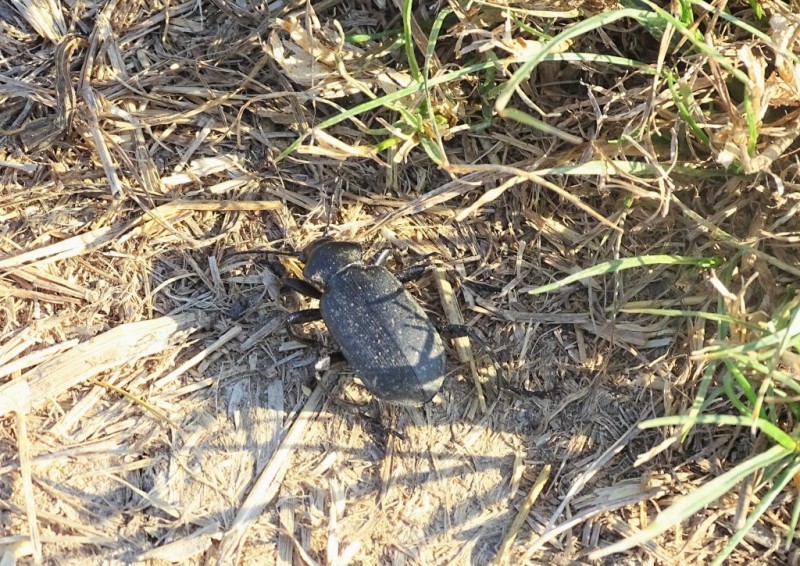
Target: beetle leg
412	273
420	268
299	317
305	315
303	287
379	431
300	338
277	268
374	427
461	331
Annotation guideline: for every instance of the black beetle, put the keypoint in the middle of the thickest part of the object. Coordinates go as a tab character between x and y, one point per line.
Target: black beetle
382	332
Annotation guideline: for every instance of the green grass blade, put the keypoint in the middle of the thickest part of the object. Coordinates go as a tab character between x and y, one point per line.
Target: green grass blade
489	66
434	36
793	522
386	100
763	347
544	127
784	478
618	166
433	147
712	316
679	96
754	31
701	399
783	439
573	31
616	265
735	372
408	36
703	496
700	44
733	397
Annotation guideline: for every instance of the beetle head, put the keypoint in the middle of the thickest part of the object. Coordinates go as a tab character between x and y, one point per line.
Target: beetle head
324	258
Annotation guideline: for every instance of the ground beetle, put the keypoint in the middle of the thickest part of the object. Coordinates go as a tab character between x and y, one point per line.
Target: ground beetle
382	332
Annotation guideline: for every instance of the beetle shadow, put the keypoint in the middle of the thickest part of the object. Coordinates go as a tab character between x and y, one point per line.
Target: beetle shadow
425	462
421	460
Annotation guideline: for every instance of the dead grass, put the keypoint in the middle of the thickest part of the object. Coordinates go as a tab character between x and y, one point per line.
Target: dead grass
154	408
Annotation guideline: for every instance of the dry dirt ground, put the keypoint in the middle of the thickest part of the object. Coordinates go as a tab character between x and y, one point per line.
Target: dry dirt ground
154	408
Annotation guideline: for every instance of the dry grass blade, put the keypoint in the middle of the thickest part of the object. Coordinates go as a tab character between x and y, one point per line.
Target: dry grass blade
70	247
533	177
34	358
44	16
101	236
186	549
24	448
199	357
93	123
266	486
516	525
120	345
453	314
